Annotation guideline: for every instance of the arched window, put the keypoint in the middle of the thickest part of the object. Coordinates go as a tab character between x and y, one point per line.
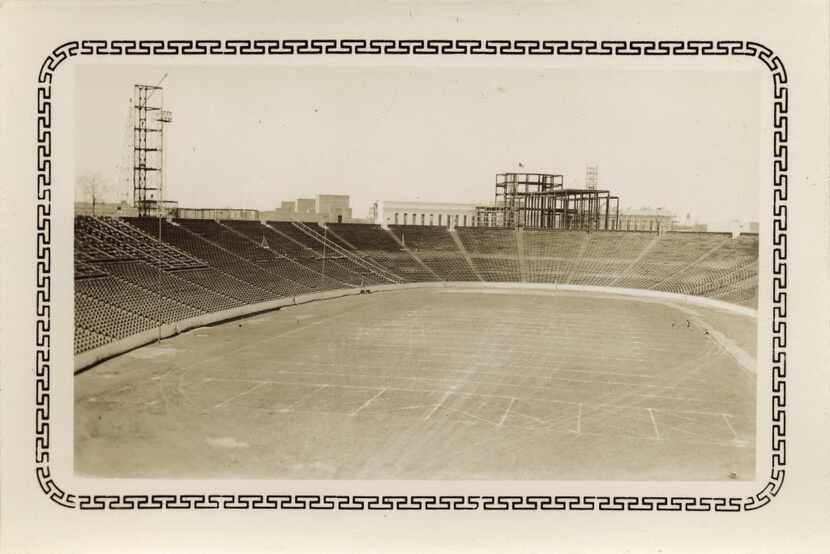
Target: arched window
432	219
396	218
440	219
423	217
465	220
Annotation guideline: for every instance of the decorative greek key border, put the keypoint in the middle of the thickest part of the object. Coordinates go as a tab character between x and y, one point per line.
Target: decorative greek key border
408	47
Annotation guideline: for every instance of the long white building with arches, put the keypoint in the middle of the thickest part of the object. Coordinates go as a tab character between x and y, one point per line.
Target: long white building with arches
443	214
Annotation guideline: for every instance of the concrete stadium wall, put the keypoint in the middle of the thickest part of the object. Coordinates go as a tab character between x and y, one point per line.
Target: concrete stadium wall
92	357
115	348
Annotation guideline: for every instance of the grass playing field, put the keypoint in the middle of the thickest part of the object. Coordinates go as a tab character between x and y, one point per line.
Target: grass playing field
433	384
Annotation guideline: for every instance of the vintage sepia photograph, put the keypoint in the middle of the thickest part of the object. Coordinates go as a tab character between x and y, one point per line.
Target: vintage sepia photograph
403	272
429	277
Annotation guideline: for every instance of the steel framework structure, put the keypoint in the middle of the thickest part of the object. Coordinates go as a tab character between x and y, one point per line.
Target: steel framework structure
149	118
540	200
591	176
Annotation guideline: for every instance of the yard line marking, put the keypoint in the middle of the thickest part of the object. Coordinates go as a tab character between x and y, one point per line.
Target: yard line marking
269	338
302	398
435	409
667	387
368	402
550	424
234	397
466	413
402	408
729	424
683	417
485	395
540	375
654	422
504	416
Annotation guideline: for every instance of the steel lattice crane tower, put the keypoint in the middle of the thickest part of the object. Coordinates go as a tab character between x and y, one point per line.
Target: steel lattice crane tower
149	119
591	176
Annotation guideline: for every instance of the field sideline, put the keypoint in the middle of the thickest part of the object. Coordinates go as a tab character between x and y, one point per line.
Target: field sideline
433	384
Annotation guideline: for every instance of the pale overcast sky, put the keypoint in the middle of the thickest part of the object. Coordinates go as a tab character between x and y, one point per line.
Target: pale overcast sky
249	137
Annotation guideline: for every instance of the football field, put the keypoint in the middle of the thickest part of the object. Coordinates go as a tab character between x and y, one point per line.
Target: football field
433	384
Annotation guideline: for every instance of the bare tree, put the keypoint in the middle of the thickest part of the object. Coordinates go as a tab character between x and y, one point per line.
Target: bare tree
92	187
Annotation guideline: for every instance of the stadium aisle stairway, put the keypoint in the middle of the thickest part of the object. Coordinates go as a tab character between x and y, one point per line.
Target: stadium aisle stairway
436	248
379	247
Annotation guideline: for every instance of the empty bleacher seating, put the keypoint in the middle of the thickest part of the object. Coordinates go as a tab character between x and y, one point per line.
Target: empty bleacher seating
487	240
380	249
136	299
133	274
448	266
365	237
293	276
206	240
498	269
670	254
420	238
551	255
436	248
310	263
493	252
170	286
606	256
119	241
102	322
225	284
87	340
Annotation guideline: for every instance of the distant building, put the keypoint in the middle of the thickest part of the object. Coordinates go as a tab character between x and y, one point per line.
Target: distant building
335	207
110	209
283	215
326	208
306	205
217	213
331	208
647	219
392	212
688	226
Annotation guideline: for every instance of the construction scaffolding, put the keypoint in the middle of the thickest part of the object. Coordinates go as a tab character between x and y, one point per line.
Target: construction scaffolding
540	200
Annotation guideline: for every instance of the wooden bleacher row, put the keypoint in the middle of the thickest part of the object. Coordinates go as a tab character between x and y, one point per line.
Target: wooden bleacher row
128	281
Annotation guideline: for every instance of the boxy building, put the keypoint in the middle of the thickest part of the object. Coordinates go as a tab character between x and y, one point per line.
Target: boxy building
334	207
445	214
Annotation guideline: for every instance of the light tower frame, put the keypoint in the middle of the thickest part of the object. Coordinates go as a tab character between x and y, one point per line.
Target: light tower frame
148	149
